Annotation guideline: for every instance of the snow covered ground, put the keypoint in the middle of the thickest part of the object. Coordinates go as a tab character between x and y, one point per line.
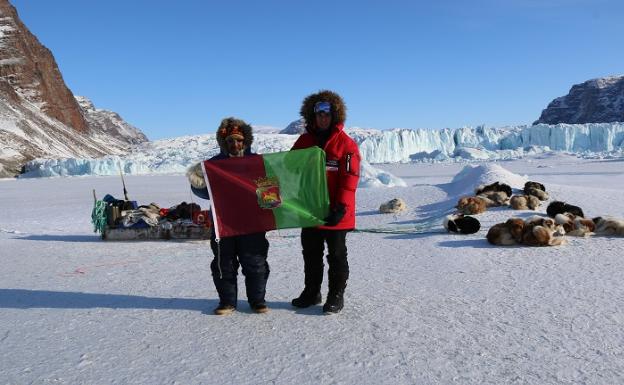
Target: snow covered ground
420	307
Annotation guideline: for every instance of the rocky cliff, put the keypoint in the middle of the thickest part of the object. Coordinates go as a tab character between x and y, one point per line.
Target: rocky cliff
39	115
594	101
296	127
31	70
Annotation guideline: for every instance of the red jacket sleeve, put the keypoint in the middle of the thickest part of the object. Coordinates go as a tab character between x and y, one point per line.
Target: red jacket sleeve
349	176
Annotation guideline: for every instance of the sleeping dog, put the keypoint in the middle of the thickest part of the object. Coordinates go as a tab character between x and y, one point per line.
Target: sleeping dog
558	207
494	198
536	185
536	189
507	233
540	231
575	226
496	186
524	202
471	205
460	223
609	226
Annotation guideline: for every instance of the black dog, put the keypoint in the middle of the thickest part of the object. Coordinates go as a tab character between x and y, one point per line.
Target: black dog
558	207
463	224
496	186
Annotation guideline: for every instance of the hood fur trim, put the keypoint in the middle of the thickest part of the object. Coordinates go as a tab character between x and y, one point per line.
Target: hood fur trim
195	175
339	110
227	125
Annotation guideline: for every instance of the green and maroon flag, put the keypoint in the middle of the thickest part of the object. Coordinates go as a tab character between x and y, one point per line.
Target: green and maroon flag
266	192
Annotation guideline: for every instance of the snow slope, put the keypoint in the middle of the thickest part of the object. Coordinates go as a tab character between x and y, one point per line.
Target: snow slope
420	307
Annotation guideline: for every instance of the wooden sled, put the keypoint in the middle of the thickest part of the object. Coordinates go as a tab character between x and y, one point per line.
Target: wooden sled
164	231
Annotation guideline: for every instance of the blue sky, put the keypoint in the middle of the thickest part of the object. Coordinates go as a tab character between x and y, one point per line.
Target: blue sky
177	68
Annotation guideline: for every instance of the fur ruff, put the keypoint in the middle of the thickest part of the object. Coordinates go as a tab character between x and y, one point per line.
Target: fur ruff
195	175
227	125
339	110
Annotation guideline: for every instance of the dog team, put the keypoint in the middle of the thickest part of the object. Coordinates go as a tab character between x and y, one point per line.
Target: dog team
563	218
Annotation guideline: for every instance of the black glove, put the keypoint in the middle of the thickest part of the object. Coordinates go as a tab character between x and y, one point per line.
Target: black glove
335	215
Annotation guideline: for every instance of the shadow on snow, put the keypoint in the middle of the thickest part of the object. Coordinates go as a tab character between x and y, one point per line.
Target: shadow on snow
45	299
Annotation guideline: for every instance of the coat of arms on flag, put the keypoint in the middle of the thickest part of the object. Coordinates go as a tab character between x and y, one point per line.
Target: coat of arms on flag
268	193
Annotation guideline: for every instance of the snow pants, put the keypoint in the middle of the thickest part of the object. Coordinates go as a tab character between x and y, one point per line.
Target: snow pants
313	243
250	252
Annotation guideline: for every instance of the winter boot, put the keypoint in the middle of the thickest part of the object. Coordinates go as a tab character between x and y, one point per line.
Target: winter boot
224	309
259	307
334	303
308	298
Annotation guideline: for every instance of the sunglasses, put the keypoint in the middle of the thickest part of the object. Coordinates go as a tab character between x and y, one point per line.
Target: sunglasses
322	107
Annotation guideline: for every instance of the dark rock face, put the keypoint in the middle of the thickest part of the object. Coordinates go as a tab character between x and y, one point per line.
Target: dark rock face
31	70
108	123
594	101
295	128
39	115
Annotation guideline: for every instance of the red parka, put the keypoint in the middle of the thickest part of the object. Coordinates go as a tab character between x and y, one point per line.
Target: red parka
343	171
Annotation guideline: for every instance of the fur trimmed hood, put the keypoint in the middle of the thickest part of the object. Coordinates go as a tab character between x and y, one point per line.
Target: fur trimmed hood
339	110
231	126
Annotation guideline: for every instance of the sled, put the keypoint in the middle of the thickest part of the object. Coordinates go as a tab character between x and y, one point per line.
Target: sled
105	218
165	231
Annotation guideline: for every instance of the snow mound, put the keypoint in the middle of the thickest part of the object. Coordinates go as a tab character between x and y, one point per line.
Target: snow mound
374	177
471	176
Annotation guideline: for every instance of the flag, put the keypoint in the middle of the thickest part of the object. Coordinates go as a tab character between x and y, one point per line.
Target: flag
258	193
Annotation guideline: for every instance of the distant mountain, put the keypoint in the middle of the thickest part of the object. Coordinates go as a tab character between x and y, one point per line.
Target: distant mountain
39	115
109	123
295	128
594	101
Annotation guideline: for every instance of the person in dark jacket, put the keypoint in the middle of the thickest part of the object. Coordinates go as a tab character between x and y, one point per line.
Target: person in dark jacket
324	114
235	137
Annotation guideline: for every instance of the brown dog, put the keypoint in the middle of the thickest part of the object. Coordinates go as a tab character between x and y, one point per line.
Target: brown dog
494	198
524	202
575	226
539	231
471	205
507	233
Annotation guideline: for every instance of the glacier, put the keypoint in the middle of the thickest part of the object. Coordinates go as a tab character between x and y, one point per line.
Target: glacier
488	143
175	155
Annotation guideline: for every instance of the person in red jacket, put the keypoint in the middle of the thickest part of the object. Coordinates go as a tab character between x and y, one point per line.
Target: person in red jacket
324	114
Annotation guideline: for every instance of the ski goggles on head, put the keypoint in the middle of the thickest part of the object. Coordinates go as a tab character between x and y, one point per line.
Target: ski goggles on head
322	107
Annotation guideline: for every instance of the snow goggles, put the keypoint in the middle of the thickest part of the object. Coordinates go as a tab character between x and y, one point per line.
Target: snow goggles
322	107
